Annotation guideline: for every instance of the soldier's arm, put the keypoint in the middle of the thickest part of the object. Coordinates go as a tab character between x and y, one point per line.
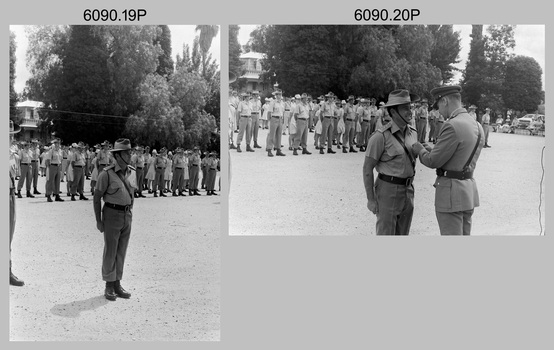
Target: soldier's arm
101	186
447	143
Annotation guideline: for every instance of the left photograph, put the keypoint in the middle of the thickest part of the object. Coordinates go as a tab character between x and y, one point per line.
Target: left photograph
114	211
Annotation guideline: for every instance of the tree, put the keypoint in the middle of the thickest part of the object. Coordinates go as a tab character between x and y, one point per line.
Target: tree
476	68
523	84
445	50
207	33
235	66
13	94
165	61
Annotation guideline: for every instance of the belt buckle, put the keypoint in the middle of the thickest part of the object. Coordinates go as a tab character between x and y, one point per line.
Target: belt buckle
127	208
409	181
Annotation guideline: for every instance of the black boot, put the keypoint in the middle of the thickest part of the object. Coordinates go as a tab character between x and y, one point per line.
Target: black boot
232	146
269	154
120	292
196	193
82	197
19	194
305	151
321	151
174	194
209	193
249	149
49	199
352	150
73	198
36	192
256	145
238	149
344	150
14	281
330	150
109	292
279	153
59	199
29	195
294	153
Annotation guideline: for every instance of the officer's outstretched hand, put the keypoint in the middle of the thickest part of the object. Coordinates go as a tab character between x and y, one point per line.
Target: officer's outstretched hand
372	206
427	147
100	226
417	147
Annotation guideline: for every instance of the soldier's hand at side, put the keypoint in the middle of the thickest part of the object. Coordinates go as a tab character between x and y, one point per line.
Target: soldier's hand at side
372	206
100	226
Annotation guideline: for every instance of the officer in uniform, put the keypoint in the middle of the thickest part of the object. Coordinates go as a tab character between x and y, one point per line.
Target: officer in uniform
301	115
212	172
245	123
432	124
35	162
275	114
391	197
25	157
115	187
53	161
422	114
137	161
365	119
327	113
256	108
178	181
454	156
350	120
471	112
485	121
14	129
78	163
159	167
195	162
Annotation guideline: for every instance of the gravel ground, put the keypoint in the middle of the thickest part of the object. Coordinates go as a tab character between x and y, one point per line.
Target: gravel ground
172	270
324	194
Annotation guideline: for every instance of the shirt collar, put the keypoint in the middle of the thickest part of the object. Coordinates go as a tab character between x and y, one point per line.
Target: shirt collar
457	111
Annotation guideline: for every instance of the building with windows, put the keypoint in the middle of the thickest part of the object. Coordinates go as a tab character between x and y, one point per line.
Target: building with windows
252	66
29	126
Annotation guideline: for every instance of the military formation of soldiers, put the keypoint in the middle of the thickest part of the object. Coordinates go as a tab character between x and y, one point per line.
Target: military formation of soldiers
344	124
158	173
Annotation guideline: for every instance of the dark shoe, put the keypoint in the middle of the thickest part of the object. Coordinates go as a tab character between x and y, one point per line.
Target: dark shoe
294	153
279	153
269	154
352	150
150	191
36	192
162	194
120	292
109	293
141	195
232	146
344	150
196	193
334	142
290	148
305	151
321	150
256	145
249	149
49	199
14	281
58	198
238	149
209	193
330	150
19	194
182	194
213	193
29	195
73	198
174	194
156	194
82	197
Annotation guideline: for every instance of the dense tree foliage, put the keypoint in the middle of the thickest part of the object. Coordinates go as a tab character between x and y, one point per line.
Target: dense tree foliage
104	82
360	60
13	94
523	84
235	66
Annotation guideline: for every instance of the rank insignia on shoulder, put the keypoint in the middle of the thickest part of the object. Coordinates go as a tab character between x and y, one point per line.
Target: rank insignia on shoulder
385	127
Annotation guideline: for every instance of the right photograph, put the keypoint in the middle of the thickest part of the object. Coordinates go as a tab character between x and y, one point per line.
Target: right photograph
356	130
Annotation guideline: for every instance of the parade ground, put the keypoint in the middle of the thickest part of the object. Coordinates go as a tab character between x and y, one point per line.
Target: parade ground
172	270
324	194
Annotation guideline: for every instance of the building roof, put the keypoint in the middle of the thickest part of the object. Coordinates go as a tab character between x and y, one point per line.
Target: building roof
31	104
250	75
255	55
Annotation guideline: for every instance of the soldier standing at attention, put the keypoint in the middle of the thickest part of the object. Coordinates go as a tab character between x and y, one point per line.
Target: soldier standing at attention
389	151
432	125
275	115
14	129
350	119
35	160
454	156
301	115
78	164
245	123
178	181
115	218
25	157
363	116
159	169
471	112
256	108
485	121
327	113
422	115
195	163
53	161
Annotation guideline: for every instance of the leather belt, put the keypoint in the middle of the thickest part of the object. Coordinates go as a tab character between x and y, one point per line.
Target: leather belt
327	116
245	116
159	167
125	208
78	166
179	168
350	119
54	164
459	175
34	160
139	167
396	180
25	163
365	121
194	164
302	118
275	116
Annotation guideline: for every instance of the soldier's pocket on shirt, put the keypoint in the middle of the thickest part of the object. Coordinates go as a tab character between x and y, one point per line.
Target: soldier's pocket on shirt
112	191
391	153
443	193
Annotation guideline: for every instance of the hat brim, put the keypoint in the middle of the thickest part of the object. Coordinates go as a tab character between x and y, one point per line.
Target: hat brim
413	98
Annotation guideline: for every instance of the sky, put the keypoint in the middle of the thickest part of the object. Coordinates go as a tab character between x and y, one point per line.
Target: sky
530	41
180	34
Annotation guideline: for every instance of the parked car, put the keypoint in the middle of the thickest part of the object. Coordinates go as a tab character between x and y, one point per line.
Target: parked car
525	121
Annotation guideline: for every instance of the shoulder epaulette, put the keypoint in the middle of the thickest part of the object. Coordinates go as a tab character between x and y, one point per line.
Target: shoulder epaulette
412	128
385	127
